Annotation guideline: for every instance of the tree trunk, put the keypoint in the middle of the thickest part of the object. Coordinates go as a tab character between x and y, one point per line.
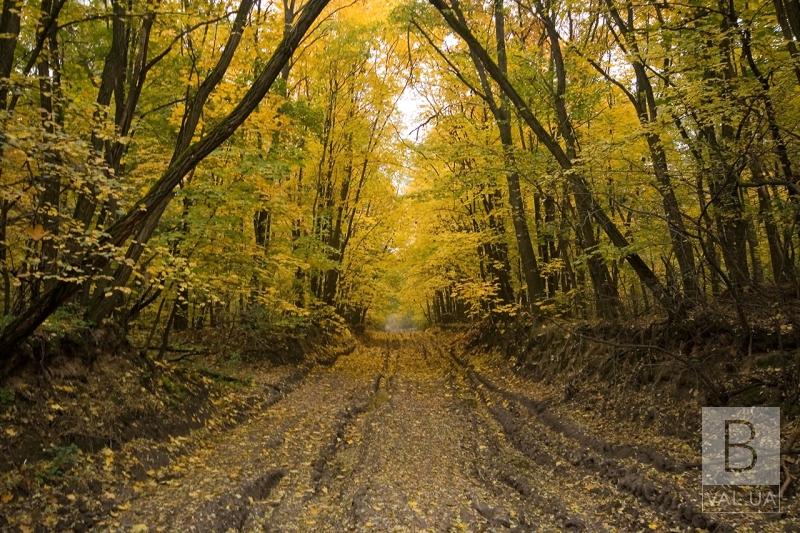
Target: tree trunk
150	207
646	109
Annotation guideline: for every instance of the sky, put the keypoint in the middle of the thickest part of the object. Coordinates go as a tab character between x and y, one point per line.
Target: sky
411	107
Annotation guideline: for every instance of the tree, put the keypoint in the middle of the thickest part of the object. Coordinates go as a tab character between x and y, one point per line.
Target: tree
148	210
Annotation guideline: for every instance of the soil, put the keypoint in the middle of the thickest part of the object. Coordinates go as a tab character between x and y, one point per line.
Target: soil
405	433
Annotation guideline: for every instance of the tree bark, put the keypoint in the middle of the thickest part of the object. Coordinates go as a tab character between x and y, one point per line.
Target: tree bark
104	301
151	205
646	109
667	299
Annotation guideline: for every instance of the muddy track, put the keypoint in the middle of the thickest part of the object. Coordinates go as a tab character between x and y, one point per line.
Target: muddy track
401	434
522	418
346	456
497	472
324	471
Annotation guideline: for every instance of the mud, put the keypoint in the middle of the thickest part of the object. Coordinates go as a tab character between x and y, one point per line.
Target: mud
403	435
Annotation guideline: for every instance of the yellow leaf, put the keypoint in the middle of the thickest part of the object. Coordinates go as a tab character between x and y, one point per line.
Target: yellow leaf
11	432
37	232
6	497
108	458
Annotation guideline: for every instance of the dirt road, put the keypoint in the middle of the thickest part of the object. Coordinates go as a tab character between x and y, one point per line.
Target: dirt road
403	435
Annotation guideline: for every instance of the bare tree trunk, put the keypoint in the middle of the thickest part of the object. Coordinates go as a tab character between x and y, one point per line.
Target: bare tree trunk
530	266
49	72
9	34
606	295
150	207
666	298
782	271
103	302
646	109
790	29
498	268
528	263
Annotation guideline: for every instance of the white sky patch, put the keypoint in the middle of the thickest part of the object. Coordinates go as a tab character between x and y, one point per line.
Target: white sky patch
411	107
450	40
414	112
401	181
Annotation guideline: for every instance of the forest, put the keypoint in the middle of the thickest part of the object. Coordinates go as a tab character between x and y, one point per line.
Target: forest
443	265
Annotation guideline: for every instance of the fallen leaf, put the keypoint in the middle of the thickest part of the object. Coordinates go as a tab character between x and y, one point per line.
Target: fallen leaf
37	232
108	458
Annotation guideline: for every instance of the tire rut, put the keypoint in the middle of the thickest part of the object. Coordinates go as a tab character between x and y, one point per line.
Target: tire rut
402	433
326	468
353	444
593	456
232	481
495	472
404	466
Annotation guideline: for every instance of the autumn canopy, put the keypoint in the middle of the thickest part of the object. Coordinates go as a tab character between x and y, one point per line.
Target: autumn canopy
187	164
